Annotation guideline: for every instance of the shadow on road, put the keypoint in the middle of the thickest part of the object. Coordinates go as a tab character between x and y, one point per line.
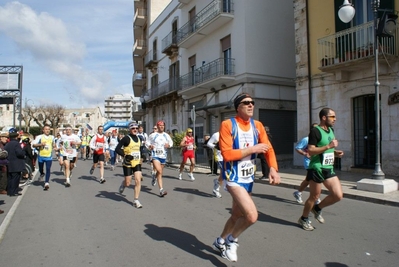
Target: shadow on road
267	218
113	196
274	198
193	191
88	178
184	241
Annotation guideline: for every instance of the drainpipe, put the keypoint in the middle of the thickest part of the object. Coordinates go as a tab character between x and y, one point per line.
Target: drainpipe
309	69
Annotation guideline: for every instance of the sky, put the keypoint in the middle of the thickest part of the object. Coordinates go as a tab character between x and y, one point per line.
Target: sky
74	53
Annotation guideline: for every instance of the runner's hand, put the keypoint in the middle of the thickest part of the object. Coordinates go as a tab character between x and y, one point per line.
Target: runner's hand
274	177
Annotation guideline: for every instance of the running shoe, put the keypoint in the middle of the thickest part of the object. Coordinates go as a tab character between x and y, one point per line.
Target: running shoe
317	215
216	188
68	182
318	201
162	193
91	170
305	224
263	178
154	179
102	180
122	187
137	204
220	247
46	186
191	176
298	197
231	251
180	176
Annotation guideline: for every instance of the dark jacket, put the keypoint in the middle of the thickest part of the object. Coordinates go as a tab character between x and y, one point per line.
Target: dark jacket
16	156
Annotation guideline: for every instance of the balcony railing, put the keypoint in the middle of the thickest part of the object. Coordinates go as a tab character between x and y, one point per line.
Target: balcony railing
150	58
212	70
169	43
140	16
354	44
210	12
164	88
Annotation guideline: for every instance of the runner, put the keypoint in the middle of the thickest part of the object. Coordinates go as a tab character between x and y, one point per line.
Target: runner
302	148
213	143
83	146
45	143
129	148
67	144
159	141
188	145
143	138
321	147
113	142
99	144
241	139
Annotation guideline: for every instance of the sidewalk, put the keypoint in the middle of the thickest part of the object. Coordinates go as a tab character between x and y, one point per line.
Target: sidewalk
292	178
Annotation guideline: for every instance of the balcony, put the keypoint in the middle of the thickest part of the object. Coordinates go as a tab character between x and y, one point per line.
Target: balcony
140	17
213	74
209	19
164	88
139	47
138	62
354	50
169	44
138	82
151	60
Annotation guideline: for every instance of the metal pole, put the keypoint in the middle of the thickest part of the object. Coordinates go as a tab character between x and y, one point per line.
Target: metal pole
378	174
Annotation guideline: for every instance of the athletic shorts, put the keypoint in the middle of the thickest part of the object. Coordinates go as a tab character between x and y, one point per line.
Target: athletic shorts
188	154
246	186
128	171
162	161
319	176
98	157
71	161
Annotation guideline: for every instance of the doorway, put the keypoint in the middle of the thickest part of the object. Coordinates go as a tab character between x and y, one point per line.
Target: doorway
364	131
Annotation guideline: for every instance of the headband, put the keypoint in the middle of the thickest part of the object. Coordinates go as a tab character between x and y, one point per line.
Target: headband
239	98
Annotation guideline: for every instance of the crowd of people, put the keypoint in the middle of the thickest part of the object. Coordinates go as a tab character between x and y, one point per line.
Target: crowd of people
235	148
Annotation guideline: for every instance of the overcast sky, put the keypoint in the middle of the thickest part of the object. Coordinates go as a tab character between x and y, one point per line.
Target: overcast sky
74	53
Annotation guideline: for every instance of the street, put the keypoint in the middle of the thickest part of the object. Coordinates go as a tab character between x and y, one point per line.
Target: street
91	224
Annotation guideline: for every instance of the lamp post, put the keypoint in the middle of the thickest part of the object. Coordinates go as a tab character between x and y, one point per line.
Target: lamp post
346	13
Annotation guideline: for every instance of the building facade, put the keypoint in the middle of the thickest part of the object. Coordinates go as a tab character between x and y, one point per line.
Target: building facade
335	68
120	107
198	55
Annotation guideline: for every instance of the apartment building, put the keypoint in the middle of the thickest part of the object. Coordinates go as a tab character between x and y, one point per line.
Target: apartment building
335	67
120	107
198	55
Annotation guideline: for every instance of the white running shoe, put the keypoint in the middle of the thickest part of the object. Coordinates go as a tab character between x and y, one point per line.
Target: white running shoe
68	182
220	247
46	186
231	250
180	176
137	204
191	175
102	180
298	197
162	192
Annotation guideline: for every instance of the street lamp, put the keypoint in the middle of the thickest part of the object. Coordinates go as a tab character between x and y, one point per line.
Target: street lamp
346	16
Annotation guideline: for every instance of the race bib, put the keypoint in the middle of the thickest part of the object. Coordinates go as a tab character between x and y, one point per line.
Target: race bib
69	151
70	157
135	155
246	169
100	145
328	159
159	152
190	147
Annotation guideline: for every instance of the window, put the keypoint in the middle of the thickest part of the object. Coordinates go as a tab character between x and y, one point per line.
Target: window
174	74
226	50
174	111
154	50
191	66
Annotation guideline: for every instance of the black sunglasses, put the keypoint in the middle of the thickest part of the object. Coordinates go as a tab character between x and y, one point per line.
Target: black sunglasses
134	128
248	102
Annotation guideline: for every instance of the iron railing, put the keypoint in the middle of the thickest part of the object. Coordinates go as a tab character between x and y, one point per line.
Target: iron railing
164	88
151	56
214	69
353	44
208	13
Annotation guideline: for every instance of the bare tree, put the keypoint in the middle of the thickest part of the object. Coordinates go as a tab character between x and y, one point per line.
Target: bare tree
44	114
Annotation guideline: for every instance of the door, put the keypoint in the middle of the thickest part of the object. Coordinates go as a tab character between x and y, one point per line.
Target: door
364	131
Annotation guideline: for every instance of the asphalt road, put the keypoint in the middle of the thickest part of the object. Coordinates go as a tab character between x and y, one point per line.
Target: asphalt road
91	224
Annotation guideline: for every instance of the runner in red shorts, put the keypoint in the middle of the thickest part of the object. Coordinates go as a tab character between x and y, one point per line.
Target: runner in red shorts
188	145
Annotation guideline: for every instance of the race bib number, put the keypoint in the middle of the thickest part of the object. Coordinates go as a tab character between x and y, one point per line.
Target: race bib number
246	169
100	145
190	147
135	155
70	157
328	159
159	152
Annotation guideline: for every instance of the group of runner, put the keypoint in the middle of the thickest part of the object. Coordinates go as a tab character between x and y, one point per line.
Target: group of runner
237	144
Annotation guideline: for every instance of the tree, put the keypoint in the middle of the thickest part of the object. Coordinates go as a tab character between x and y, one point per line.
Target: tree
44	114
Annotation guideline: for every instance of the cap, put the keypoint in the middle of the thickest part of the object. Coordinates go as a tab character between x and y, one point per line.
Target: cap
4	134
239	98
133	125
161	123
189	130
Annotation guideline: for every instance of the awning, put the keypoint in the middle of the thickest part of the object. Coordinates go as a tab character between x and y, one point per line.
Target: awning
218	105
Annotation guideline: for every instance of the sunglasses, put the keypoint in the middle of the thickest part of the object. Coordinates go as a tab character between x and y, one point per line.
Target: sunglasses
246	103
331	117
134	128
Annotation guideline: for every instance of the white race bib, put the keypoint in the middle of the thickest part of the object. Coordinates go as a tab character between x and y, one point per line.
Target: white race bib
246	169
328	159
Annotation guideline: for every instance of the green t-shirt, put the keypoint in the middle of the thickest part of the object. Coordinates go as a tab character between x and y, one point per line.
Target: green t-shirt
324	160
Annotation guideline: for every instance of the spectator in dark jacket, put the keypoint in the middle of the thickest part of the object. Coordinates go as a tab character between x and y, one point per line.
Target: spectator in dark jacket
16	165
27	148
3	163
